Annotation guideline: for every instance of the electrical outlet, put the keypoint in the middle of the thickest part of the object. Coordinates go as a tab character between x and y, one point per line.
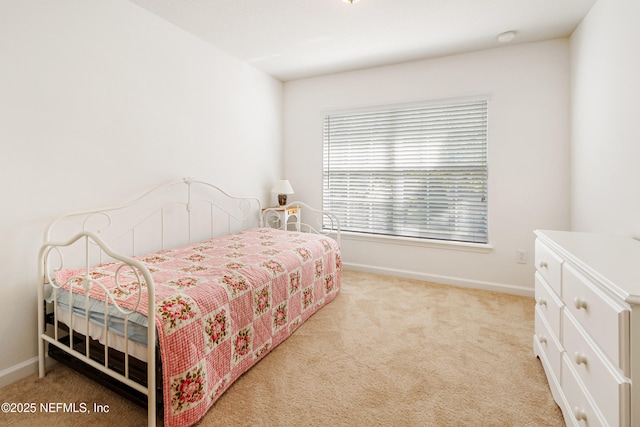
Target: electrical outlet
521	256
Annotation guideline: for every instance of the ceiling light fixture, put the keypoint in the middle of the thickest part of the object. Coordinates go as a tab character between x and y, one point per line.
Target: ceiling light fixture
507	36
351	1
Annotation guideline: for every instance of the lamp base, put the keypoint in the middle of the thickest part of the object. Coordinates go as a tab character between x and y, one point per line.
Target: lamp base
282	199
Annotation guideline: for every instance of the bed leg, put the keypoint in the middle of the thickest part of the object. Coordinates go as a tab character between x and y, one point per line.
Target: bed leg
41	346
151	377
41	366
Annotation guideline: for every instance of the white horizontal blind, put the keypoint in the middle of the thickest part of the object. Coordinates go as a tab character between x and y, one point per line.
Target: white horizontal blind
414	171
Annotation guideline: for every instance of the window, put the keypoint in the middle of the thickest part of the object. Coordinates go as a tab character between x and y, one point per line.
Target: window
412	171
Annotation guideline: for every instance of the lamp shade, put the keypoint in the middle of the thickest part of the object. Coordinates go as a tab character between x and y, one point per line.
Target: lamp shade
282	187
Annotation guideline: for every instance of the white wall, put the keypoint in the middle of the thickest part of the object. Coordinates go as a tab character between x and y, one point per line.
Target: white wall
99	100
605	82
528	87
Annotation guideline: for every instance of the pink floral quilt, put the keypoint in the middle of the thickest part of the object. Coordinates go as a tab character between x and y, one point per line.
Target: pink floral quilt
223	304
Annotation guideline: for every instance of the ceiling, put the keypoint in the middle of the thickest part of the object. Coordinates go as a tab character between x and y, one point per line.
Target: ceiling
292	39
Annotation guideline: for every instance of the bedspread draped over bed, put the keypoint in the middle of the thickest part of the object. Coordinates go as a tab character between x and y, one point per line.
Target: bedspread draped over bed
224	303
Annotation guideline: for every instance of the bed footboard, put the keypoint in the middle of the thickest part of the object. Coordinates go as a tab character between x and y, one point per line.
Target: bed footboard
137	368
63	334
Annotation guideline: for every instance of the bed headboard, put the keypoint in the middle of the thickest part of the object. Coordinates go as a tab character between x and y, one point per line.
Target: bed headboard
169	215
315	221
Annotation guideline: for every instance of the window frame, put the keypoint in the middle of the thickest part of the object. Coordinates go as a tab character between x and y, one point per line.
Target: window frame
387	235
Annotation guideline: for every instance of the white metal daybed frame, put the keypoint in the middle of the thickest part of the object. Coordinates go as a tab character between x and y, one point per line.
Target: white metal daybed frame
247	212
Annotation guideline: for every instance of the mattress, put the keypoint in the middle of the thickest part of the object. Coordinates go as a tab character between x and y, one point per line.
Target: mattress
97	332
137	328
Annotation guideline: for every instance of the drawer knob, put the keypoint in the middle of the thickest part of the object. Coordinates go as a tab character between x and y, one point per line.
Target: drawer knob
579	303
543	339
580	414
543	264
542	301
580	358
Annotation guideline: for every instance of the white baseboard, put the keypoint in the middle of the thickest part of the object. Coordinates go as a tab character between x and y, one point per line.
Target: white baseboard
445	280
19	371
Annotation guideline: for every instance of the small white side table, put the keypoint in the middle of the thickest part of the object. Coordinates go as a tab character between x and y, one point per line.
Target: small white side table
285	219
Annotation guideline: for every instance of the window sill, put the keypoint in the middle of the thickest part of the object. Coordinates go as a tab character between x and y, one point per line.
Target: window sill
423	243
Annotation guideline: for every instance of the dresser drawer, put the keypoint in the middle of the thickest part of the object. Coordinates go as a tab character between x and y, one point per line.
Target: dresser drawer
549	265
548	343
549	304
580	407
604	383
604	320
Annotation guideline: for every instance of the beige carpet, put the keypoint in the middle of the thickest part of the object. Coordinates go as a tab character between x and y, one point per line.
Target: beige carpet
386	352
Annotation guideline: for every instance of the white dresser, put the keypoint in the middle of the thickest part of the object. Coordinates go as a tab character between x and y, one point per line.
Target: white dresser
587	325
